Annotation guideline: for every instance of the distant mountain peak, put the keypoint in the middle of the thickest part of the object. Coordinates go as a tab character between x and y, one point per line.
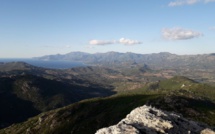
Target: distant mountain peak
166	53
77	52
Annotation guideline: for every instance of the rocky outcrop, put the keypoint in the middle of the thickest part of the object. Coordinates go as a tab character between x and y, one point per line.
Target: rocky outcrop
149	120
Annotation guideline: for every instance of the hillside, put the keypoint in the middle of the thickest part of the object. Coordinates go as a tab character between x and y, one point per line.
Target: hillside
38	94
181	83
4	67
90	115
88	76
84	117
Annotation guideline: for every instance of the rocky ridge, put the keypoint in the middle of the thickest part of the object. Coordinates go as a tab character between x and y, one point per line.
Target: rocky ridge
147	119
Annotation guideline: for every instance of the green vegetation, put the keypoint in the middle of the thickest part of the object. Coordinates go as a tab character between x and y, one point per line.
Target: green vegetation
82	117
30	90
179	83
87	116
30	95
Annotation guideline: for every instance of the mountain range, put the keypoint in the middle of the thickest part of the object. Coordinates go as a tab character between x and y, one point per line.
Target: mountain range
155	61
197	67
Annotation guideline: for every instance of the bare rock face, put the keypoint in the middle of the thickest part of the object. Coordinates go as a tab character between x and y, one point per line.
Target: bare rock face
149	120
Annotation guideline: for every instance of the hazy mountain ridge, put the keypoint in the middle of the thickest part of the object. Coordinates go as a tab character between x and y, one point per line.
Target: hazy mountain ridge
164	64
155	60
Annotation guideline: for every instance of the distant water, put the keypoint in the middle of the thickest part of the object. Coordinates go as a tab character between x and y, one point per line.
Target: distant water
47	64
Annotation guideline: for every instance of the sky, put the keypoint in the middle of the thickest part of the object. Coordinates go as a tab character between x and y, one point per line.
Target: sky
31	28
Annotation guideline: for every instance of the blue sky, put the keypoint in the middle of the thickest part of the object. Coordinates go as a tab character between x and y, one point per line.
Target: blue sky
30	28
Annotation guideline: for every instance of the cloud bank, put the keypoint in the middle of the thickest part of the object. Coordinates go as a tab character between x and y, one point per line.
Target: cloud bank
187	2
180	34
109	42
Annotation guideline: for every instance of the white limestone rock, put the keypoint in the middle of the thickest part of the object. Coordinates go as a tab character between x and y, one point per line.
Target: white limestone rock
150	120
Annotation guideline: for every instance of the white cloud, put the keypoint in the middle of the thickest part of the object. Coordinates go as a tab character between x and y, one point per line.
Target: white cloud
109	42
129	41
101	42
183	2
180	34
187	2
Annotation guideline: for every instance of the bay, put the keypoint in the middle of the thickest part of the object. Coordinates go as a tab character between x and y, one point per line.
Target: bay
58	64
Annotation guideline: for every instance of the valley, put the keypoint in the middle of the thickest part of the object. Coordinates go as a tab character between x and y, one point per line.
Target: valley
85	99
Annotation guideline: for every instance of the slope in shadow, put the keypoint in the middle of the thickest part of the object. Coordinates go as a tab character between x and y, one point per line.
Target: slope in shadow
25	96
